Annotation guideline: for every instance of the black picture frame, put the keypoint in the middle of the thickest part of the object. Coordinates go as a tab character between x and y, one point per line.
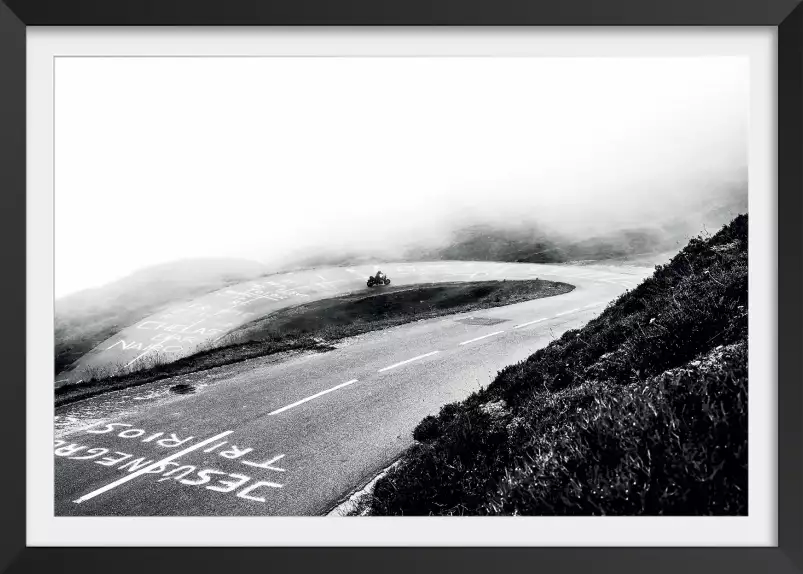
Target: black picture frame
787	15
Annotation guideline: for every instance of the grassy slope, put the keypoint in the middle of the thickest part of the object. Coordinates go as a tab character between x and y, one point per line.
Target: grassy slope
315	325
642	411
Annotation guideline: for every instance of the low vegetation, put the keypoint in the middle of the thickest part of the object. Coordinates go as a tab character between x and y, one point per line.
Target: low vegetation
316	325
642	411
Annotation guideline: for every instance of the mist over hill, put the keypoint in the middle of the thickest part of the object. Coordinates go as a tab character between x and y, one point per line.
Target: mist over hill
579	149
532	236
605	230
86	318
484	242
629	230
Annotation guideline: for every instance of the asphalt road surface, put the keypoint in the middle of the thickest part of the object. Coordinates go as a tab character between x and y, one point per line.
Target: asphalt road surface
294	435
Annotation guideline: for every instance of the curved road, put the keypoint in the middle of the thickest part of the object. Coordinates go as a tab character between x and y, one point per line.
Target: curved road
293	435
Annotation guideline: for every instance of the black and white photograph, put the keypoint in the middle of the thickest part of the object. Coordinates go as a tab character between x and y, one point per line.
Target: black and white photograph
400	286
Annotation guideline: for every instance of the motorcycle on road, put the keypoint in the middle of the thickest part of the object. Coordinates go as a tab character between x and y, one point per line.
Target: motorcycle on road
378	279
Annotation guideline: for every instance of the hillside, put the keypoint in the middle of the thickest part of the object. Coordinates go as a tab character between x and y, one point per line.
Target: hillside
642	411
87	318
530	245
525	236
530	240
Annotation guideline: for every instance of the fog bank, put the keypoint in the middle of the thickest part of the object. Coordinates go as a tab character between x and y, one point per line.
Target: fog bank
284	161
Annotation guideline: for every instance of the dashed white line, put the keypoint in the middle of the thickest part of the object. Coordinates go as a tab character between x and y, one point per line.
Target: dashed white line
315	396
150	467
483	337
247	301
529	323
407	361
567	312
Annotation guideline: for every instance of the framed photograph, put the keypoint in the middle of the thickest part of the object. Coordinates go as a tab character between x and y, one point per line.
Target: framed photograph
443	286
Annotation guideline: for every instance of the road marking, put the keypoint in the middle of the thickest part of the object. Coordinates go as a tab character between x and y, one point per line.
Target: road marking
257	298
529	323
483	337
567	312
315	396
157	464
137	358
408	361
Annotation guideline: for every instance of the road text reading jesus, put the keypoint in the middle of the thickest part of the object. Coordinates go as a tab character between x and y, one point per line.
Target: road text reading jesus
209	477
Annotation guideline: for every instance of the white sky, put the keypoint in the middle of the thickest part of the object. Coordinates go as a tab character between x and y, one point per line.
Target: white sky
160	159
